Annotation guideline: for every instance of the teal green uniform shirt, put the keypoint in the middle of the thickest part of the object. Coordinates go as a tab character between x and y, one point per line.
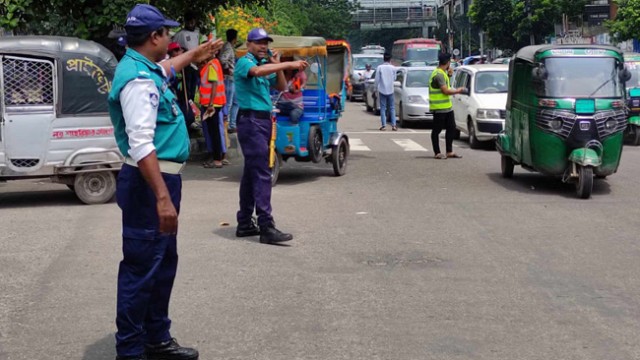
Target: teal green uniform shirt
171	139
252	91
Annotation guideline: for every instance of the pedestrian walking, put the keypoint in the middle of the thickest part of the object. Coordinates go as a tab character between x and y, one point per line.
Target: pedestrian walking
385	76
255	73
150	131
440	92
228	60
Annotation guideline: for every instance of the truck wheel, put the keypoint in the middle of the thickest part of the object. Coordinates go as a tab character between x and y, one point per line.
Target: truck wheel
95	188
507	166
584	186
339	156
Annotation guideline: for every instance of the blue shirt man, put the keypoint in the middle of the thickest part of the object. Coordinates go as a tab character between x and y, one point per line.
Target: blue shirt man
385	75
254	75
151	133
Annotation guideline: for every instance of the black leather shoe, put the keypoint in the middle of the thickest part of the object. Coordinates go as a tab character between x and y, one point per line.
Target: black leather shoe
139	357
250	229
170	350
271	235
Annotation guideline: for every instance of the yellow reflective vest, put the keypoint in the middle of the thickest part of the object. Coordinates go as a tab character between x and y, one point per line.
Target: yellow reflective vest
438	100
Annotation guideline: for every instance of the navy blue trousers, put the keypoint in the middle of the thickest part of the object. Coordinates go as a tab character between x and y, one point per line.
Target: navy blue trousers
254	135
148	268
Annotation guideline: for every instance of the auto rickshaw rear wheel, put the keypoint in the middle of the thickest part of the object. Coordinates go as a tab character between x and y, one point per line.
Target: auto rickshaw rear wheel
339	155
315	144
275	170
507	166
584	186
636	136
95	187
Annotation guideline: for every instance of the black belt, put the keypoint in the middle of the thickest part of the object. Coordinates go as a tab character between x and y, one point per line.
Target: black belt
257	114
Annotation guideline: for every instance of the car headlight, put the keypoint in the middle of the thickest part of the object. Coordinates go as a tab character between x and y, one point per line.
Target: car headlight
416	99
488	114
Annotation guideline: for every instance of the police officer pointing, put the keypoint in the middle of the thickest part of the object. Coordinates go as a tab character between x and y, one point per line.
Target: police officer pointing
150	131
255	73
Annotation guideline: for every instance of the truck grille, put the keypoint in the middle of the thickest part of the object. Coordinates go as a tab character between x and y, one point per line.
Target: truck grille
25	163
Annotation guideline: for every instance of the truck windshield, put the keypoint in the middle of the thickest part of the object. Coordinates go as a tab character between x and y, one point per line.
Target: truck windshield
582	77
360	63
429	55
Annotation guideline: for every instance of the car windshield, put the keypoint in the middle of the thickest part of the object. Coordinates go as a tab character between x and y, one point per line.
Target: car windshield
582	77
426	54
418	78
634	68
360	63
491	82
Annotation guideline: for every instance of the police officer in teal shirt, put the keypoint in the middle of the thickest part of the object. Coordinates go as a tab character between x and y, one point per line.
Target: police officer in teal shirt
255	74
152	135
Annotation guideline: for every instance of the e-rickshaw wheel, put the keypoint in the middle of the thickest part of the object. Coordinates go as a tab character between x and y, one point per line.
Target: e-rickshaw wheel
275	171
507	166
95	187
339	155
315	145
584	186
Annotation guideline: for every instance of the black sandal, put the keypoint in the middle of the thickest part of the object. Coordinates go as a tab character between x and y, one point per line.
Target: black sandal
383	128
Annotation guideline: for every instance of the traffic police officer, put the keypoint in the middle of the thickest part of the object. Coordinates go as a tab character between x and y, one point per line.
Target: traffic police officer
255	73
150	131
441	106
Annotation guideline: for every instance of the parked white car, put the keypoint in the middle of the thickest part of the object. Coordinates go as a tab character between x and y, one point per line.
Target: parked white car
411	90
480	113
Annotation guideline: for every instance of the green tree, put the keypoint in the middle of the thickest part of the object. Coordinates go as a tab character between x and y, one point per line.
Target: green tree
327	18
625	26
494	17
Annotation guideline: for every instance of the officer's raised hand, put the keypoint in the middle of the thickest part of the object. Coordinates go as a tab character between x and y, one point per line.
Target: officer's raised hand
206	50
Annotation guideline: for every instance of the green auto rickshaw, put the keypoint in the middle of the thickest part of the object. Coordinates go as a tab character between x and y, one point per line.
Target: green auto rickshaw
566	113
632	61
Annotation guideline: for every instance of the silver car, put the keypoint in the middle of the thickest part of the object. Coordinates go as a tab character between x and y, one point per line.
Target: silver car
411	93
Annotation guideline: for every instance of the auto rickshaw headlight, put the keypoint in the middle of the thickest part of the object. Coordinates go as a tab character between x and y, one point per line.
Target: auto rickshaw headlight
556	124
610	124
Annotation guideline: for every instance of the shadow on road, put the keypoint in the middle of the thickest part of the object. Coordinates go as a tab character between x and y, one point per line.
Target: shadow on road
103	349
543	184
21	199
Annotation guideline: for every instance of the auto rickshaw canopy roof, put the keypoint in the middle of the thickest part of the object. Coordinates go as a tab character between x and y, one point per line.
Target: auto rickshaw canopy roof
529	53
289	46
54	47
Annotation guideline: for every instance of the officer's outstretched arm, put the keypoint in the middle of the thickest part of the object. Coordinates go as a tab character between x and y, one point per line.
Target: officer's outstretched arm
203	52
268	69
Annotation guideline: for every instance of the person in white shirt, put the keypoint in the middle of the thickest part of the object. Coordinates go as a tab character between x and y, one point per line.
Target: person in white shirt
189	36
368	72
385	75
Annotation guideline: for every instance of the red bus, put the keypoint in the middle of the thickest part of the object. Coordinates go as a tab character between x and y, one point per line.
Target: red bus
415	50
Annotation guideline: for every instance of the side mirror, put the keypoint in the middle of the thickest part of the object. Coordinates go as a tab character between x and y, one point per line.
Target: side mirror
397	84
539	73
625	75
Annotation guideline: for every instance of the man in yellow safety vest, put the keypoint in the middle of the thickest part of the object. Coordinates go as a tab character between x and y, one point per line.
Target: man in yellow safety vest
440	104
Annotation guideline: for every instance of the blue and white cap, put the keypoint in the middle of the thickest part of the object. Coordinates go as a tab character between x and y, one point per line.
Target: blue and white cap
146	18
258	34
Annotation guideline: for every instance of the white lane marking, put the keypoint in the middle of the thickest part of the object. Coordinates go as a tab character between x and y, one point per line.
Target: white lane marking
409	145
389	132
357	145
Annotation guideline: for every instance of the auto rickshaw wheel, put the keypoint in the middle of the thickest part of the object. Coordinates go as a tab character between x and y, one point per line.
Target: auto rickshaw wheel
315	145
95	187
275	170
339	155
584	186
507	166
636	137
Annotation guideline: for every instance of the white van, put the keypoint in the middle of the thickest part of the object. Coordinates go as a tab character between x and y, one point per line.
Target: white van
54	120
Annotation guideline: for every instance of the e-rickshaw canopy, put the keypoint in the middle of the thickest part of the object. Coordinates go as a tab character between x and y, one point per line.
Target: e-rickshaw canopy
289	46
85	69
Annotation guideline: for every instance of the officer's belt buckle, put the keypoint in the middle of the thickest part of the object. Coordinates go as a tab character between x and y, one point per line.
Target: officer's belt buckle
167	167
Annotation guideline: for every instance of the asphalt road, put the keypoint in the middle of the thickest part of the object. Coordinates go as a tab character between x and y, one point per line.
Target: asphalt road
404	257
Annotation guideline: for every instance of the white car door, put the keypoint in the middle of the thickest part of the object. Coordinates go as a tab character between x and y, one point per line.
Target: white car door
460	101
397	89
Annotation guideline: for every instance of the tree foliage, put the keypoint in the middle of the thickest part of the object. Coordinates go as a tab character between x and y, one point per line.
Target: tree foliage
625	26
508	23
